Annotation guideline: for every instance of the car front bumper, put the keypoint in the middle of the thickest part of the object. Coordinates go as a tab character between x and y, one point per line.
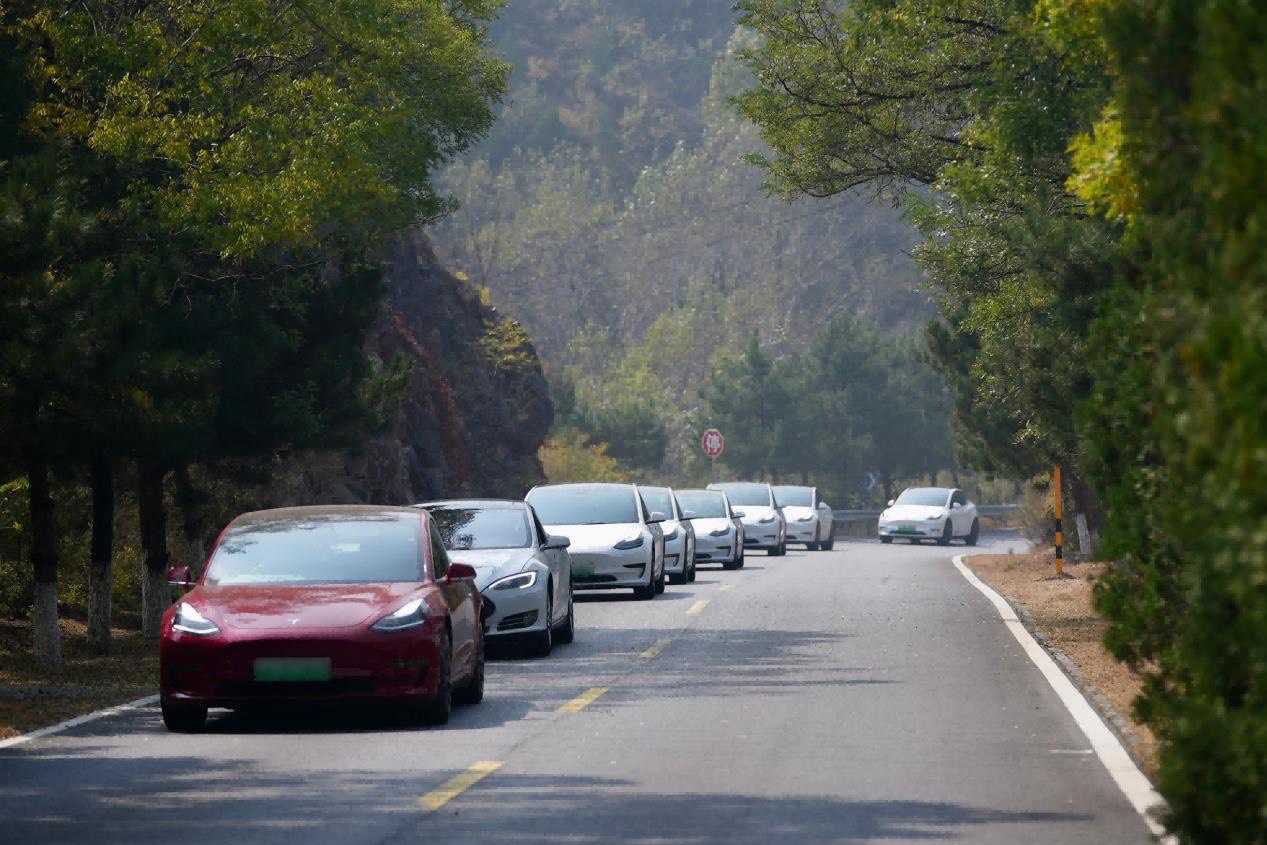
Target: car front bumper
675	554
761	535
710	549
802	532
913	530
518	611
610	569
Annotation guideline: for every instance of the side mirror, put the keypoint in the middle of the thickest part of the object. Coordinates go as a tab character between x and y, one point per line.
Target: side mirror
180	578
460	572
740	514
556	541
892	502
689	514
954	506
655	517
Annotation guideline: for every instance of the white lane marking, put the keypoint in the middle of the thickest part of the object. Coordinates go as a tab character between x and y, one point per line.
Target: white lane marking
78	720
1137	789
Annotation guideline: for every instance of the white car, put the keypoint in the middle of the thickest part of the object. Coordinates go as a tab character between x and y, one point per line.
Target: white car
718	532
524	574
808	517
616	542
754	504
679	536
930	513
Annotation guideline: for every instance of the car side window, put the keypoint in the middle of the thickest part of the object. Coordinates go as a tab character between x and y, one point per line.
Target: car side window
541	532
439	557
646	514
959	498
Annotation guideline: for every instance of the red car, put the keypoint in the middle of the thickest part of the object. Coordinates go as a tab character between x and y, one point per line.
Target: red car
338	603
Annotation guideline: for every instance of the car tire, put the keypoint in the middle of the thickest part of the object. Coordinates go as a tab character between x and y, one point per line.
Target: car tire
543	640
812	547
741	555
828	544
974	533
183	718
436	710
473	690
647	591
690	575
886	540
660	581
566	631
947	534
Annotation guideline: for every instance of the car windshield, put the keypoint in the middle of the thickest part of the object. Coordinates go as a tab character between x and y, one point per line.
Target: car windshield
658	500
320	549
481	528
930	496
705	505
796	497
584	505
745	494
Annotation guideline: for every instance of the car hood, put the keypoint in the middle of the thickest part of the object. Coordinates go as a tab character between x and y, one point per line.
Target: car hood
301	607
706	525
491	564
596	536
913	512
753	514
794	512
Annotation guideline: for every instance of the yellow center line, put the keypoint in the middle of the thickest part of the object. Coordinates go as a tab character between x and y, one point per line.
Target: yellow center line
582	701
697	607
727	586
456	785
655	649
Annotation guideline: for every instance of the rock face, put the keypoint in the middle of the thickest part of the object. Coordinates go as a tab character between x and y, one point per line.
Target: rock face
474	412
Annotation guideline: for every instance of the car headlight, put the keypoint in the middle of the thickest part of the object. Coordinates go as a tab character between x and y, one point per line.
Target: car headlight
189	621
769	518
936	517
522	581
633	542
720	532
410	615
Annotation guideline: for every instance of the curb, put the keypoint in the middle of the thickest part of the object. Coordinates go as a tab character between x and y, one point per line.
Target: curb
78	720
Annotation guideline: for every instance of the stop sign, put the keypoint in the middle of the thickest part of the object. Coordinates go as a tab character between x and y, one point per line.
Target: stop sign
714	443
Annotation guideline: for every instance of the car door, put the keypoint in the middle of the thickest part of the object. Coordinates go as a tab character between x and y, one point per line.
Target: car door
560	569
824	517
959	514
461	597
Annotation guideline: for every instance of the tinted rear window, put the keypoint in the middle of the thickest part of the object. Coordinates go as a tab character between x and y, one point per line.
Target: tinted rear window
320	549
567	505
745	494
482	528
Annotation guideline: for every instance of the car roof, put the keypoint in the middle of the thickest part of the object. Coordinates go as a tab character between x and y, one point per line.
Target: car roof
482	504
655	488
700	490
590	484
792	487
721	485
944	490
315	511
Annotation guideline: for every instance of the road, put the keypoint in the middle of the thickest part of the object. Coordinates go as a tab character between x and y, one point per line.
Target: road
867	694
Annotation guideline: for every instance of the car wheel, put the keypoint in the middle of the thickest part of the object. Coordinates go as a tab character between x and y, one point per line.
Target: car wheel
812	547
183	718
828	544
741	554
690	575
660	580
567	628
974	533
886	540
436	711
947	534
647	591
543	640
473	691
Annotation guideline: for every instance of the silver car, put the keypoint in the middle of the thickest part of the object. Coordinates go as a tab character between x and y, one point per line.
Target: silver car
809	518
616	542
524	574
718	532
679	536
763	523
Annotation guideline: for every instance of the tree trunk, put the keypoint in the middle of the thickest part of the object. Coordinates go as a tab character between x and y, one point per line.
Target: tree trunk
154	554
192	523
101	557
44	620
1088	517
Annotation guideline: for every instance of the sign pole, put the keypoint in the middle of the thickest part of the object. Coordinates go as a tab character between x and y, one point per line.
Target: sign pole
1058	506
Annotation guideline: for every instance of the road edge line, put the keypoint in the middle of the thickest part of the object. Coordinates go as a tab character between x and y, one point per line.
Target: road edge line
78	720
1108	748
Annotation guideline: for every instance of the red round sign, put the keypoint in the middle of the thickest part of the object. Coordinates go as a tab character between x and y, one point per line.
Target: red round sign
714	443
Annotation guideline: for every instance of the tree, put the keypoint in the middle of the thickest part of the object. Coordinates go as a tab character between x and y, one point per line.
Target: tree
747	400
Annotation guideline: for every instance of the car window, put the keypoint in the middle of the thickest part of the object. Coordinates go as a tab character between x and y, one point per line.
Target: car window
707	505
657	500
958	498
926	496
332	548
741	493
796	497
585	504
541	532
481	528
439	558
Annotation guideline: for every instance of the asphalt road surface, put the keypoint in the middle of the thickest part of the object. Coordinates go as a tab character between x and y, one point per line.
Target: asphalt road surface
867	694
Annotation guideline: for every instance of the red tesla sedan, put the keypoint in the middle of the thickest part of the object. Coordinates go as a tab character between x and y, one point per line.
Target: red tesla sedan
332	603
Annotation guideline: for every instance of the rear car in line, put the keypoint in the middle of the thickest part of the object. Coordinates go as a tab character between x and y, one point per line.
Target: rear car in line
930	513
337	603
523	573
718	531
808	517
763	523
679	536
616	542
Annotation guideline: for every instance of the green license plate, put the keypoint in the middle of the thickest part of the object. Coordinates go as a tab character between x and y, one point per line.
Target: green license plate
907	530
292	668
582	570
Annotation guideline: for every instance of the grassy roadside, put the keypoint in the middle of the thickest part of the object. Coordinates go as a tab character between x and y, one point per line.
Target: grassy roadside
33	697
1062	614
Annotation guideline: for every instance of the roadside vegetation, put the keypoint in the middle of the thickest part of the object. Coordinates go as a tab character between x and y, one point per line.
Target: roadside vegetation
1089	178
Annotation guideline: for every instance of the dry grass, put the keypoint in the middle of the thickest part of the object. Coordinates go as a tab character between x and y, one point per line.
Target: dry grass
1062	612
32	696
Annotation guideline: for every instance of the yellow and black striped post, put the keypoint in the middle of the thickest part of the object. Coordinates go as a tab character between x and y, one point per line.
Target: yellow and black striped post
1058	508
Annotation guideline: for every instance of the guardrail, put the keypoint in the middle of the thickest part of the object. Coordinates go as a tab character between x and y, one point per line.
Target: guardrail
855	523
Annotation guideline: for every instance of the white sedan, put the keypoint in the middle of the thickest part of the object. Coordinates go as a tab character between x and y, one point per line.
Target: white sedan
930	513
809	518
718	532
615	541
763	523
